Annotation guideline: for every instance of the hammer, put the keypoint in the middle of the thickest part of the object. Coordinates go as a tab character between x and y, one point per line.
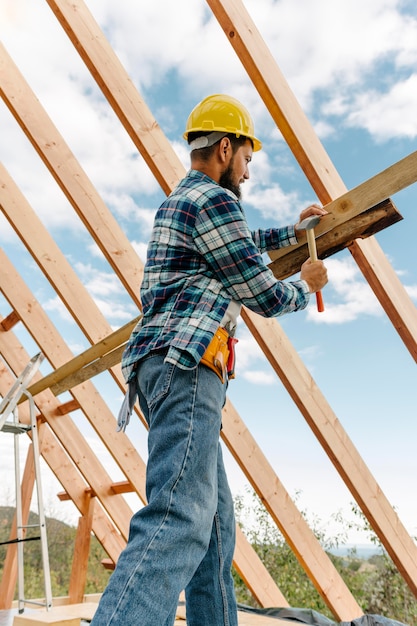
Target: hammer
308	225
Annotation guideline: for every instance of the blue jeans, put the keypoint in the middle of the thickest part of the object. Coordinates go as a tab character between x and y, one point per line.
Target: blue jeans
184	538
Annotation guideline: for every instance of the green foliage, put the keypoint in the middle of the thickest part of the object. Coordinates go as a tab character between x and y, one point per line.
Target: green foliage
61	538
375	582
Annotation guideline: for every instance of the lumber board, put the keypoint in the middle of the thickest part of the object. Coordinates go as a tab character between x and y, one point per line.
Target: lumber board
81	554
255	56
337	444
100	357
116	85
361	226
307	149
250	567
284	512
64	615
366	195
89	371
71	178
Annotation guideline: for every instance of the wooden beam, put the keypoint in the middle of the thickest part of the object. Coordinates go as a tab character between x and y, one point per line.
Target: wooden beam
337	444
364	196
252	571
262	68
98	366
123	486
67	407
116	85
255	56
284	512
361	226
100	357
10	321
69	175
81	553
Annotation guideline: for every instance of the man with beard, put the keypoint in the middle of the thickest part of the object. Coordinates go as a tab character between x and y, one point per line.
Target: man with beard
203	264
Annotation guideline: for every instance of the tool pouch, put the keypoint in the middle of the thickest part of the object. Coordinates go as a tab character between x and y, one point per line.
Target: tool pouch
217	354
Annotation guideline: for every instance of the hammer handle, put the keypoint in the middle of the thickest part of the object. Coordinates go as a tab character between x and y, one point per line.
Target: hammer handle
311	240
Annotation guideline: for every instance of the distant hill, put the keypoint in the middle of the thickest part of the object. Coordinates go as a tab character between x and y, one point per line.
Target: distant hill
361	551
61	538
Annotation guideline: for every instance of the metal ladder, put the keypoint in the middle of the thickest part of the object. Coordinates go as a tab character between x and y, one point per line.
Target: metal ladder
9	423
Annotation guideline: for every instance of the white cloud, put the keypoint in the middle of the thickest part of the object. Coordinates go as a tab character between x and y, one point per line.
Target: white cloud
259	377
351	296
390	115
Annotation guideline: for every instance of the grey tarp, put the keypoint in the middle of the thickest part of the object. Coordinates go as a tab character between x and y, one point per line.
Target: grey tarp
312	618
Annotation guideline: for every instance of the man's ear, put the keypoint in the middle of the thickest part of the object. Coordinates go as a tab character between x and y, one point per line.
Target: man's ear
225	148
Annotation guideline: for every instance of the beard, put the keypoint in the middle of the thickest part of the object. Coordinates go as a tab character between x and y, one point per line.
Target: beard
226	181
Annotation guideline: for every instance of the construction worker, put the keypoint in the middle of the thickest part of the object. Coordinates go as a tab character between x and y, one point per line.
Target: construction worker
203	264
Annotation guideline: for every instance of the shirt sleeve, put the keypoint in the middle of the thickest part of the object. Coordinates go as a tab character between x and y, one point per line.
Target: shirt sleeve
223	238
274	238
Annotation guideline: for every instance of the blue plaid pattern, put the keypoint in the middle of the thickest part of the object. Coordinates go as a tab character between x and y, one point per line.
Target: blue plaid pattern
202	255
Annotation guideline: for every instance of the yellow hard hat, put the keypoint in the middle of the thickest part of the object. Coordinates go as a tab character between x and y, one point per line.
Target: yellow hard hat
222	113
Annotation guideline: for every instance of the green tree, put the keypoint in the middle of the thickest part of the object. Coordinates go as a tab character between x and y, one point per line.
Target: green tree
375	582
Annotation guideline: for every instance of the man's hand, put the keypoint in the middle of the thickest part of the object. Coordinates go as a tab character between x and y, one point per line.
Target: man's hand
315	275
313	209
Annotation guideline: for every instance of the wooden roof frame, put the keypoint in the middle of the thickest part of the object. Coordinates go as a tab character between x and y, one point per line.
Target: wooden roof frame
62	445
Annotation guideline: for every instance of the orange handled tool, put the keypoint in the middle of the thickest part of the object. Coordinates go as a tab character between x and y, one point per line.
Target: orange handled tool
308	225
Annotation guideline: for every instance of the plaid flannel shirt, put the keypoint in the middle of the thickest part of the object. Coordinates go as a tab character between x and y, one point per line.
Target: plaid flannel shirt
202	255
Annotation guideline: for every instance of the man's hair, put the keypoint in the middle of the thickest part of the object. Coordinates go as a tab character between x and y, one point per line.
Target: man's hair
204	154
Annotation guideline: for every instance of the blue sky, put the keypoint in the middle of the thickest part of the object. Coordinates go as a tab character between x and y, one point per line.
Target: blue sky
352	67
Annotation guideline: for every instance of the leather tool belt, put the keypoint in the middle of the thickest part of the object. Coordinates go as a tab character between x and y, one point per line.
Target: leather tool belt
220	354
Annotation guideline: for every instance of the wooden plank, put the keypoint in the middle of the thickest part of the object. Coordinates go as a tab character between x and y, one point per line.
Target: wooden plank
361	226
389	290
100	365
252	571
89	363
10	321
73	181
262	68
364	196
288	518
65	615
55	266
117	87
256	58
67	407
81	554
337	444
